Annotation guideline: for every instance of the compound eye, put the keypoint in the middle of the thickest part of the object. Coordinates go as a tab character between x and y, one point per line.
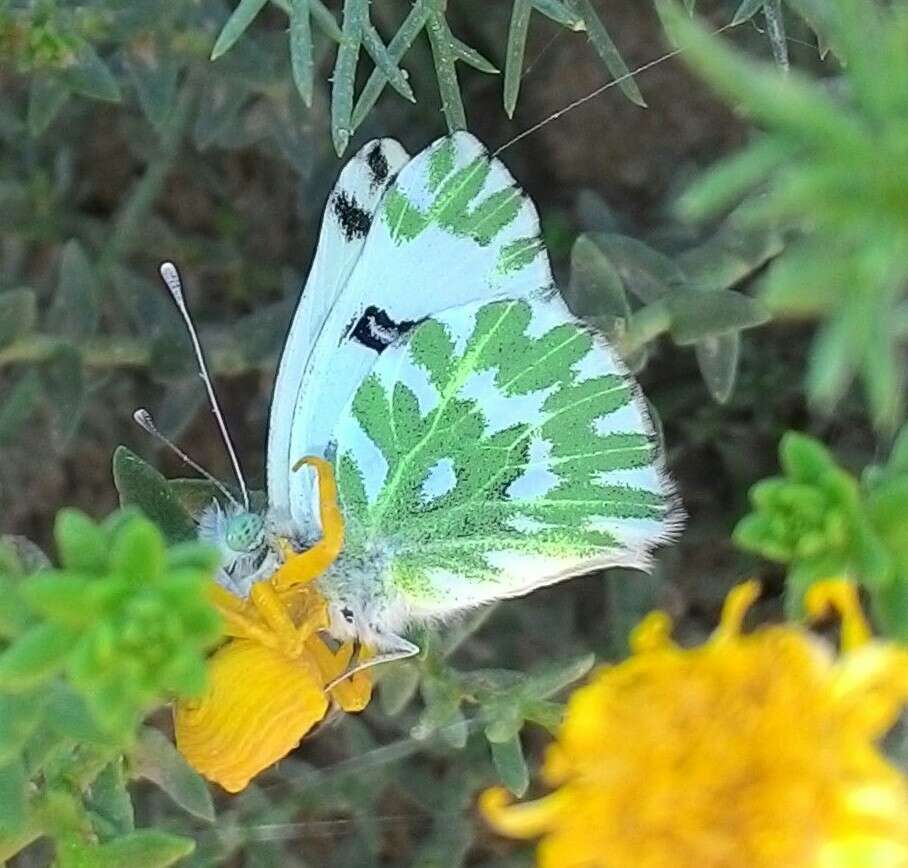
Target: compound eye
347	612
245	532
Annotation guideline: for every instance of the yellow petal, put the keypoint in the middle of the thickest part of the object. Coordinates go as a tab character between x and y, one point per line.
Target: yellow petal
739	600
257	707
526	820
841	596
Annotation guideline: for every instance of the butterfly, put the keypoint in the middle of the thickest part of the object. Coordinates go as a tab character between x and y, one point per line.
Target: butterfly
484	441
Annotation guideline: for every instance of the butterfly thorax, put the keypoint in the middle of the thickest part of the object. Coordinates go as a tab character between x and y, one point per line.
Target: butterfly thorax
362	601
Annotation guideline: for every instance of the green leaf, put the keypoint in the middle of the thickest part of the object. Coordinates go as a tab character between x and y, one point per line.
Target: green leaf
511	765
18	313
441	41
595	288
516	49
775	30
301	60
139	484
13	782
746	11
397	686
137	551
109	798
74	313
90	76
646	272
559	13
148	848
235	26
46	96
81	543
471	57
607	50
19	405
717	358
62	598
154	75
64	385
395	76
555	676
68	716
36	657
154	757
506	720
20	715
697	315
356	14
898	457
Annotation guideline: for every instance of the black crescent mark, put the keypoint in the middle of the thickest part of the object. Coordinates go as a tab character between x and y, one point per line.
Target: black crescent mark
354	221
376	330
378	164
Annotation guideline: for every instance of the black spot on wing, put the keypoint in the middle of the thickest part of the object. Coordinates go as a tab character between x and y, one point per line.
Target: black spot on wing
378	165
354	221
376	330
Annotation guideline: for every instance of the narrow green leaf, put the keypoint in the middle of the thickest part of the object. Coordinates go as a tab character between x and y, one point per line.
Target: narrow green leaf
746	11
18	313
109	798
137	550
69	717
325	19
90	76
775	30
139	484
398	47
36	657
75	311
516	49
20	714
301	59
356	14
511	765
20	403
64	386
154	757
396	76
13	782
506	720
471	57
607	50
559	13
441	42
148	848
717	359
698	315
898	457
46	96
236	25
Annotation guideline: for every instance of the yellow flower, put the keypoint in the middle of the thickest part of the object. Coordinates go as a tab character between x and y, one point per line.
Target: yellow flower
749	751
267	684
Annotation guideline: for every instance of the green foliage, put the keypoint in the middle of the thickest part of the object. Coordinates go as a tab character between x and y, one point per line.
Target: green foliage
821	522
832	164
635	293
89	649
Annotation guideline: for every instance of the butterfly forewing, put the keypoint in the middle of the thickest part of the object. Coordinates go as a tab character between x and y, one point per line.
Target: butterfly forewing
452	228
498	448
348	216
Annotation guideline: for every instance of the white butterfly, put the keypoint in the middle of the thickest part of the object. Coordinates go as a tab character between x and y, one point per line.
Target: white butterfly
485	442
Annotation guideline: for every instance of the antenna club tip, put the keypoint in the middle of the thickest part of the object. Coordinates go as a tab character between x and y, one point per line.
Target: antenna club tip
171	278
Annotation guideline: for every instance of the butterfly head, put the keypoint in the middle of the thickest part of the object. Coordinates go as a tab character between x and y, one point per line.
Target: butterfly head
244	532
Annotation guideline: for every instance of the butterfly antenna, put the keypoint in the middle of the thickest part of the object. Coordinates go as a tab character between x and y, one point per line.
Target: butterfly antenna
171	278
143	419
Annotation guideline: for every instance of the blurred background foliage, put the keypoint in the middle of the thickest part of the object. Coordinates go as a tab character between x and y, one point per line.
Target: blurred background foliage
705	233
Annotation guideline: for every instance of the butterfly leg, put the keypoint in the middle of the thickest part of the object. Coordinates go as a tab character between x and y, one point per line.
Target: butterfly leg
310	564
239	622
273	611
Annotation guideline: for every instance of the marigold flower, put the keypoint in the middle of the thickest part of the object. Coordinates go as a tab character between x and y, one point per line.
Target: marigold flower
268	685
749	751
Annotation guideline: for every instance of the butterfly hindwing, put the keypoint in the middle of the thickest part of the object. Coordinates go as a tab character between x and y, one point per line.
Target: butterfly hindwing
498	448
452	228
348	217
